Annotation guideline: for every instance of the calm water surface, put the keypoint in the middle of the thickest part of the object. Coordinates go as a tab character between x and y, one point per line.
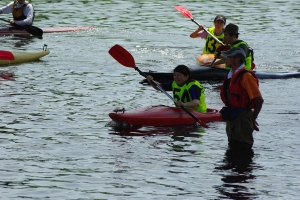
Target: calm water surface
56	138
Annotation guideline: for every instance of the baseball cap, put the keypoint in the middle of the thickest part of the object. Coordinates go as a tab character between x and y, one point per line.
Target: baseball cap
220	17
235	52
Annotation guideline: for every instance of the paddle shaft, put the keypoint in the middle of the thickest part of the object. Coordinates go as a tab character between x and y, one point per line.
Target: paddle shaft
208	32
185	12
220	48
163	91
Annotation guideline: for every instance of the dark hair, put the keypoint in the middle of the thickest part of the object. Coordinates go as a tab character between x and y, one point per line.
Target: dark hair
232	29
236	34
184	70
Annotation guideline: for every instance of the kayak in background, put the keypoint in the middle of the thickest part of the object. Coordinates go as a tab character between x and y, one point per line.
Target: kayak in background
212	73
207	59
17	56
67	29
9	30
163	116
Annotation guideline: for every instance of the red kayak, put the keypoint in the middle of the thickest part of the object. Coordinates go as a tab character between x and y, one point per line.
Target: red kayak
6	30
163	116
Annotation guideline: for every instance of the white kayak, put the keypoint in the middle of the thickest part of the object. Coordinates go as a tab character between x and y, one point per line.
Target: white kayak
8	57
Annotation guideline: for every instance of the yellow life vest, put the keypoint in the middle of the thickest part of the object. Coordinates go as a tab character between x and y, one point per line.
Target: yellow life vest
249	59
211	44
182	93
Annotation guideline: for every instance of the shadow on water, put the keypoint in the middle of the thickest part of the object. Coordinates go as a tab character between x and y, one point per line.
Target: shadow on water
175	131
236	172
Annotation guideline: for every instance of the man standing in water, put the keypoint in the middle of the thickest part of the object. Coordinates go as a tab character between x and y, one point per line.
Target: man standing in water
241	95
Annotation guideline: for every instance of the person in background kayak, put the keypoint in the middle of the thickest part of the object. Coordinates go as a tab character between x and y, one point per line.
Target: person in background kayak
211	45
186	91
22	11
242	97
231	35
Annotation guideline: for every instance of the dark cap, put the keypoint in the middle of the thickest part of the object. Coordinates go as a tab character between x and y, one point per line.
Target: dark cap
220	17
236	52
231	28
183	69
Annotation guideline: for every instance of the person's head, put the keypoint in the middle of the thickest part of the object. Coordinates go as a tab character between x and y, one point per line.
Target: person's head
21	1
231	33
181	74
235	57
220	21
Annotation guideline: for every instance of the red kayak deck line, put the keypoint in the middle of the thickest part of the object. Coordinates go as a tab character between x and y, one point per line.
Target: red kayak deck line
164	116
66	29
46	30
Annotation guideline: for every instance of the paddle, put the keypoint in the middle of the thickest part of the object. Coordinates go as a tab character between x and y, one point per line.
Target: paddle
33	30
6	55
189	15
125	58
219	49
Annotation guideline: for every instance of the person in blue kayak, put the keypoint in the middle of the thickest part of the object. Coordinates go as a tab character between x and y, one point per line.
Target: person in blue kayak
22	11
231	35
186	91
211	45
242	97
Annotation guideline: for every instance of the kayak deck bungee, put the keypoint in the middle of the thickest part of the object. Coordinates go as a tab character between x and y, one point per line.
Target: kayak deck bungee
212	73
24	56
8	30
163	116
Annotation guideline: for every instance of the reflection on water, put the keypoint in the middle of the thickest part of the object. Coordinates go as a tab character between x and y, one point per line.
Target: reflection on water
124	129
236	173
54	137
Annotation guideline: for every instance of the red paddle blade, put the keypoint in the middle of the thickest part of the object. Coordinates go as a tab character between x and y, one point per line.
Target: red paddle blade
202	124
184	12
122	56
6	55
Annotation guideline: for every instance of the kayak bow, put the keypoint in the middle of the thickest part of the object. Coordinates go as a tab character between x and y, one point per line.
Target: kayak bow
23	56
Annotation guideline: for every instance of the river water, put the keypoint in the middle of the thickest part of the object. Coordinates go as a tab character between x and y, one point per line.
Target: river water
57	141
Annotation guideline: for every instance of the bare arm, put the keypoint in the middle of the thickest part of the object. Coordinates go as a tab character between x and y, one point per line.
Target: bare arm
195	34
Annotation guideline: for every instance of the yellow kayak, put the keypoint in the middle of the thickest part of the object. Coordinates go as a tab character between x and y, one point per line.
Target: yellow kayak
16	56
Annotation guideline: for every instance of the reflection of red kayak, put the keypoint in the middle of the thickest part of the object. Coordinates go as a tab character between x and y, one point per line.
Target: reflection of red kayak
8	31
163	116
